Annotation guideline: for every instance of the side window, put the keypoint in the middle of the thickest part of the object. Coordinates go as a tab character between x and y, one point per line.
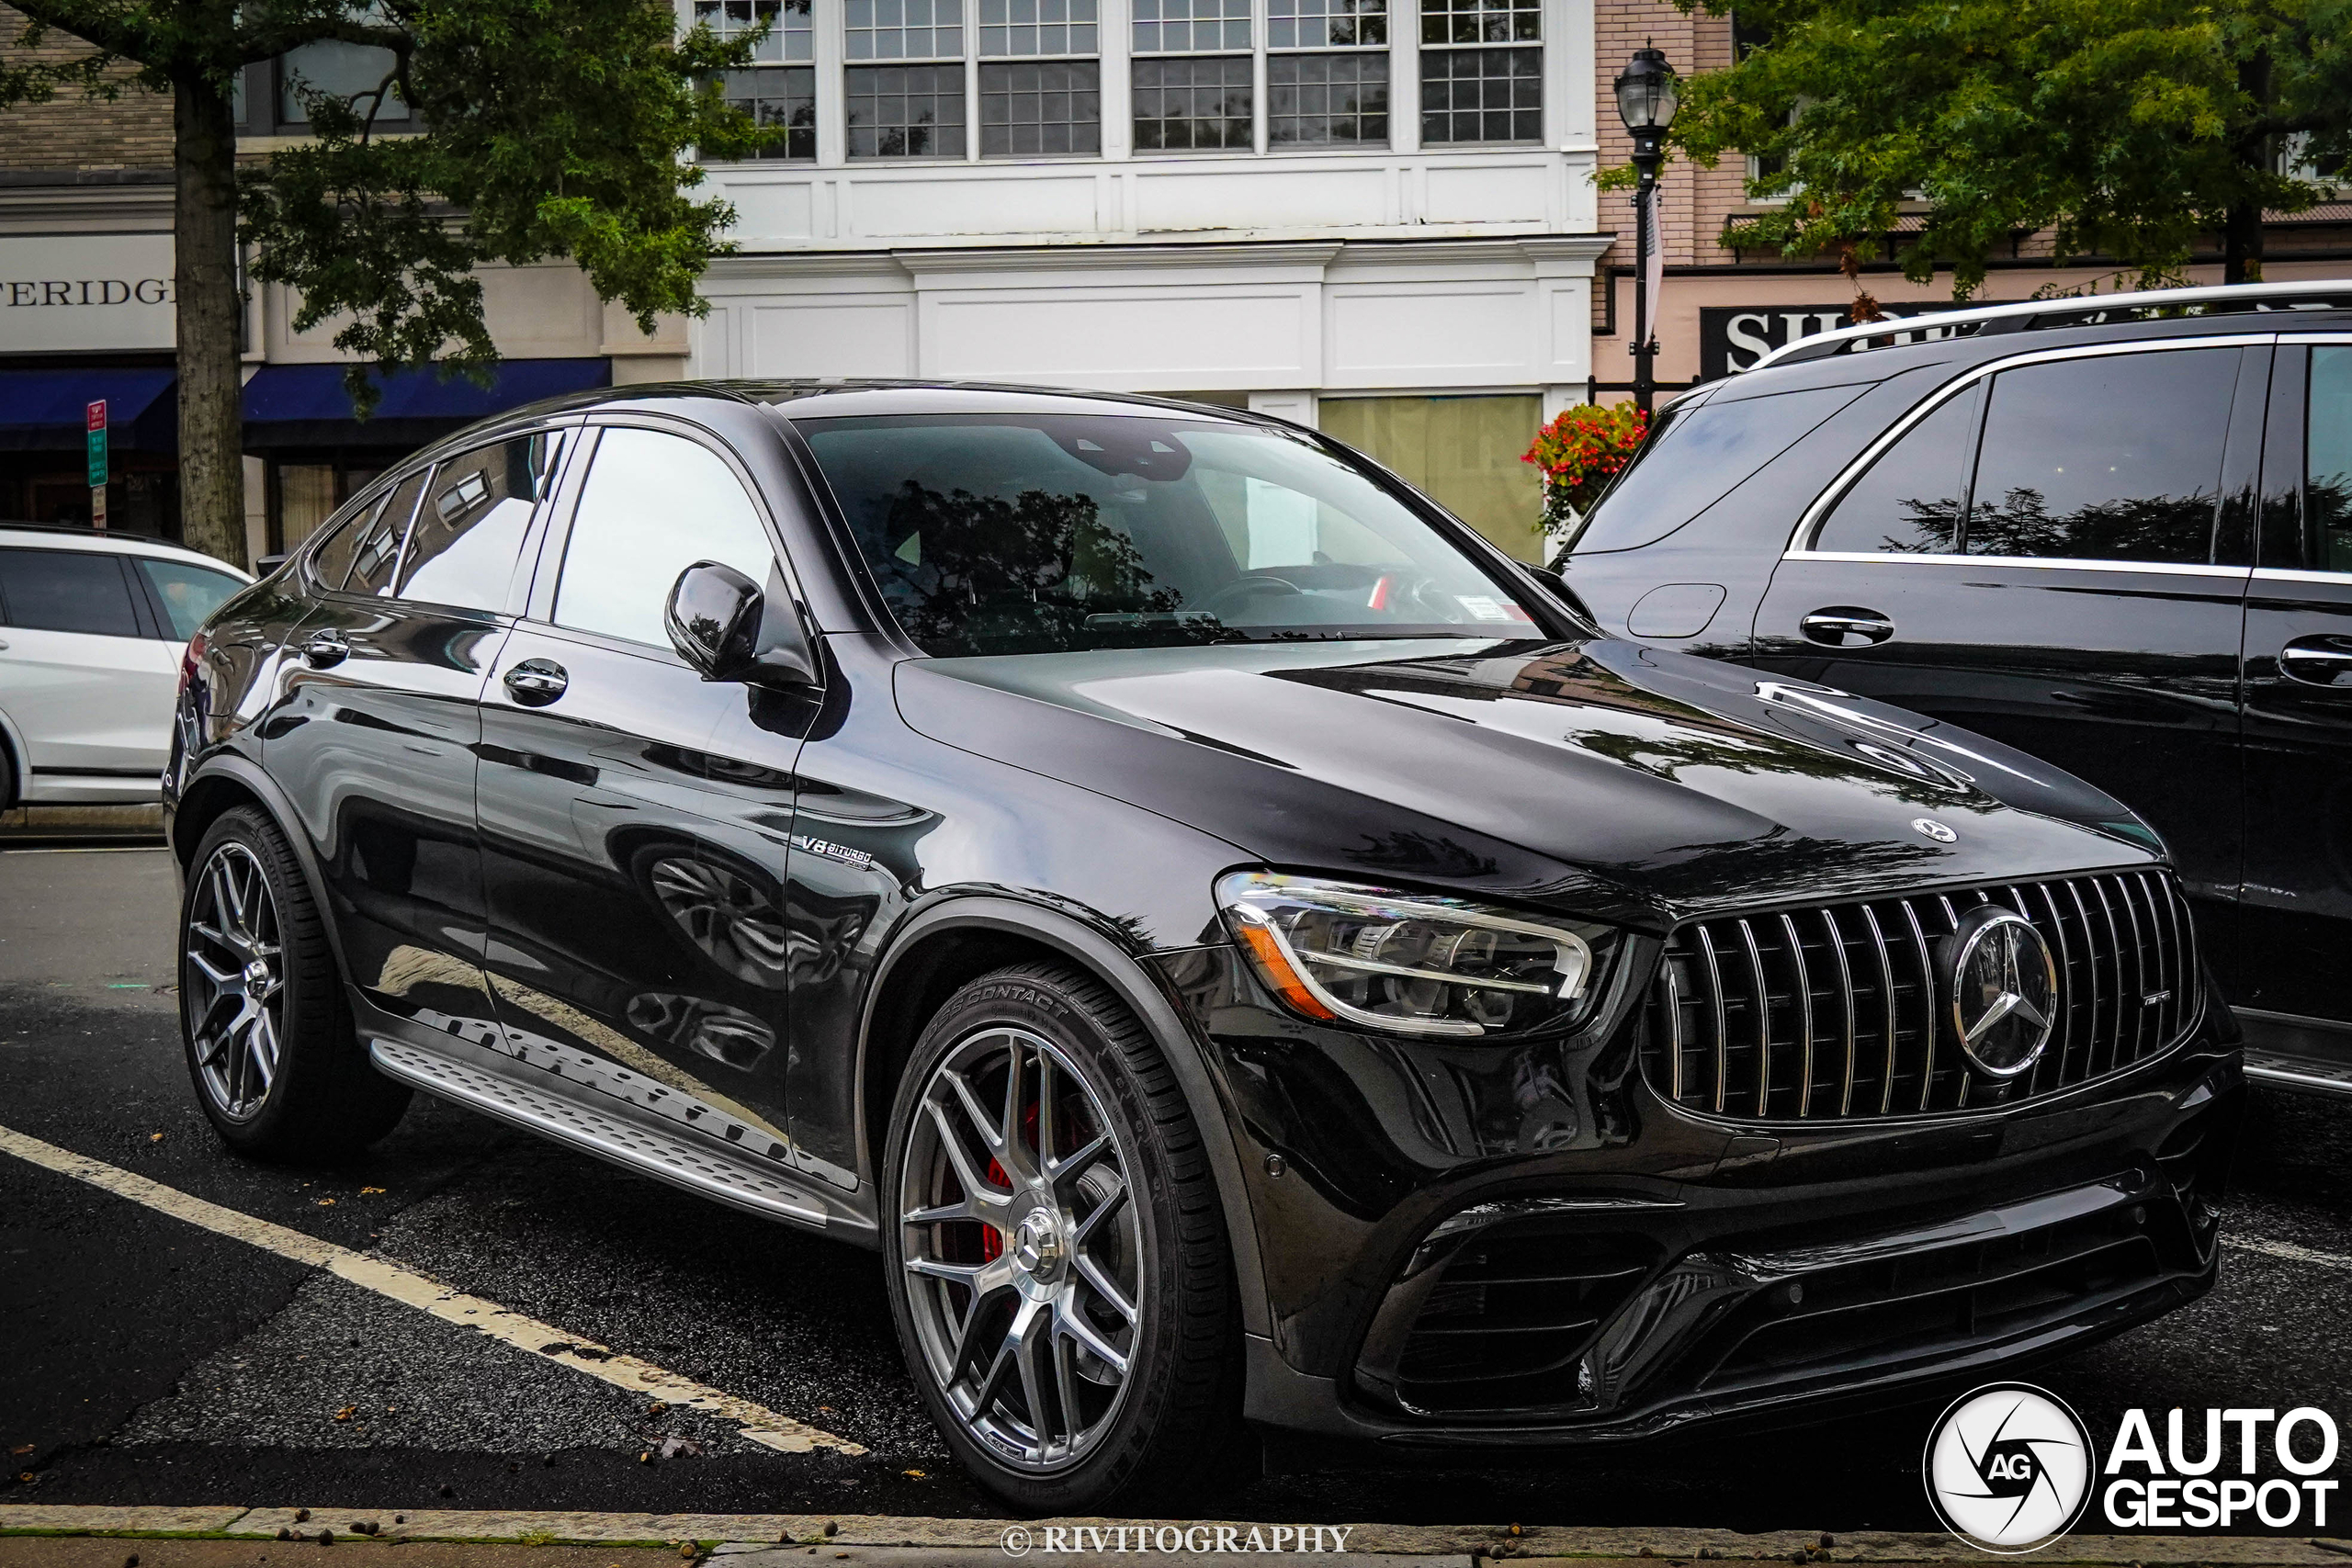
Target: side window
2327	460
67	591
1696	456
376	546
2115	459
189	593
462	549
1910	500
654	505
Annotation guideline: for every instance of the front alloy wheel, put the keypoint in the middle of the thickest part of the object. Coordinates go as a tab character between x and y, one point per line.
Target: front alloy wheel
1023	1253
1058	1264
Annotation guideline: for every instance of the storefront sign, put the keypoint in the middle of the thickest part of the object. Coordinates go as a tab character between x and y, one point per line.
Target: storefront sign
1733	337
60	293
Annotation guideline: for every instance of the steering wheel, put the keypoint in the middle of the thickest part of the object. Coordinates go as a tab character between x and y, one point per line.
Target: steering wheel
1255	586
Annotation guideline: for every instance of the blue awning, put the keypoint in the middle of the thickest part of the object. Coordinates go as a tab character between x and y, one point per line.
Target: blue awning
44	411
306	405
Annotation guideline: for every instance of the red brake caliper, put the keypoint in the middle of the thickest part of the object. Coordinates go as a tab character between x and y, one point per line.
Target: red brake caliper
991	1238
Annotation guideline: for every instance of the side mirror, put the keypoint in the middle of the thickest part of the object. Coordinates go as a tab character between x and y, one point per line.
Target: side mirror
267	565
727	629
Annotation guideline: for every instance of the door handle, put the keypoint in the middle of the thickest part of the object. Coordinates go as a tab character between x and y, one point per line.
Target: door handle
1841	625
2317	661
324	648
535	682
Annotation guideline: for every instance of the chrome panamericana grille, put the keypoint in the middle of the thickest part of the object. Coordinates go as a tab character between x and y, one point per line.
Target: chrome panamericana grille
1841	1012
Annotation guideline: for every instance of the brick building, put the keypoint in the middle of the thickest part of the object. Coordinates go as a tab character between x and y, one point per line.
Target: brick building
1721	308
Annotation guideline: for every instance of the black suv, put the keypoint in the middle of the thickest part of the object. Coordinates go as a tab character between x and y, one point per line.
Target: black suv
2116	534
1241	948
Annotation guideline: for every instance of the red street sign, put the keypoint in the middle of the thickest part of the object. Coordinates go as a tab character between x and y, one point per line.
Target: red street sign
96	414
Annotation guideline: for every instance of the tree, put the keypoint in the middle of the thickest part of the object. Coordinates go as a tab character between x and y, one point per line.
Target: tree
2126	127
551	128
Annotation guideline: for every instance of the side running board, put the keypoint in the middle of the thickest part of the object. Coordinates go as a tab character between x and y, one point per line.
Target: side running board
608	1133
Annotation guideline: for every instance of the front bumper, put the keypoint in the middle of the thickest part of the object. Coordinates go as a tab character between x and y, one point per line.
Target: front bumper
1473	1249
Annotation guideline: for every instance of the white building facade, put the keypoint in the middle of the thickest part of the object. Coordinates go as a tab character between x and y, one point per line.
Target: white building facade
1372	216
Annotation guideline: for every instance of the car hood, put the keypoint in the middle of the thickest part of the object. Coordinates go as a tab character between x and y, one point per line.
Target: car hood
1614	777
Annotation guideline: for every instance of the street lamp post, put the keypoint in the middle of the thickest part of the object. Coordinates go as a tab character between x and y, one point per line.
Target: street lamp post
1647	99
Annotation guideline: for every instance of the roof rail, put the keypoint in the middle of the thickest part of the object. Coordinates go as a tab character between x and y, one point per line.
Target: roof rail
2257	296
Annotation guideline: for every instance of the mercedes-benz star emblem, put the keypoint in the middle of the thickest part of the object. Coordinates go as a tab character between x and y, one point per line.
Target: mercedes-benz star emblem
2009	1468
2004	990
1933	829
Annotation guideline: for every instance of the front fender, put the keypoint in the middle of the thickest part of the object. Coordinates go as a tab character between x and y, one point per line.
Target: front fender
1135	984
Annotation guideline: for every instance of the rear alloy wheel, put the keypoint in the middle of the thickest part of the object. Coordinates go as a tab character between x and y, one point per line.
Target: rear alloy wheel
1058	1272
236	989
277	1065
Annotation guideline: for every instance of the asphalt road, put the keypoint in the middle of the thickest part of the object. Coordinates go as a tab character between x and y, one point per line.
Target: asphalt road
144	1359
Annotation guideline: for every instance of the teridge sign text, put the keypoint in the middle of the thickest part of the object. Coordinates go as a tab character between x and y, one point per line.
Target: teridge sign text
79	293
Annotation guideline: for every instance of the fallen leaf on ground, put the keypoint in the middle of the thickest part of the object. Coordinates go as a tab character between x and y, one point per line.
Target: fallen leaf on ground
367	1192
22	1448
672	1447
347	1413
155	1137
326	1203
916	1473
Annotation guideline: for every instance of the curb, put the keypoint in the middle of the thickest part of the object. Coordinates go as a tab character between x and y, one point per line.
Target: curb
732	1535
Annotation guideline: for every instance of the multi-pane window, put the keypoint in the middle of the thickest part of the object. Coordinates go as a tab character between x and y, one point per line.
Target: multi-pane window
790	31
1040	108
1191	27
1037	27
1326	97
1032	104
906	111
1203	102
904	29
1325	24
1493	93
1193	105
779	96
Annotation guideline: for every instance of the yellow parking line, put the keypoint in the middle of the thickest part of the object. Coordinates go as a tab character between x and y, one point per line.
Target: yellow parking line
427	1295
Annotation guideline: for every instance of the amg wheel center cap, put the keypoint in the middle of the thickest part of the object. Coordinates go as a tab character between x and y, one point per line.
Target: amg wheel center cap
256	975
1036	1242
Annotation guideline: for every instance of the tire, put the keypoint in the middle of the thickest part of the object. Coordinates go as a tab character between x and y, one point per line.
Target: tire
271	1048
7	775
998	1292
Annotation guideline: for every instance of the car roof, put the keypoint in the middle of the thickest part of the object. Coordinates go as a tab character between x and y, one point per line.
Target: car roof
832	398
55	536
1851	355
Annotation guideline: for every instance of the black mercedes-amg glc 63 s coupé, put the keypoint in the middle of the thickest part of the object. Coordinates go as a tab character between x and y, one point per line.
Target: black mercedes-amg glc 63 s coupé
1242	949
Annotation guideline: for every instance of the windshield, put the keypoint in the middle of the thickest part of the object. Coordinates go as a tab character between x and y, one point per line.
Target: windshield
995	533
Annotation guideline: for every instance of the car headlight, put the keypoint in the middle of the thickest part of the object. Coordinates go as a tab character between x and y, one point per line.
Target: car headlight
1409	963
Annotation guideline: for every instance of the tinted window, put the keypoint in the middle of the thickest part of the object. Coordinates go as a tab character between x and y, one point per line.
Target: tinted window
61	591
1910	500
1696	457
1021	533
189	593
2112	458
374	547
462	547
2327	463
654	505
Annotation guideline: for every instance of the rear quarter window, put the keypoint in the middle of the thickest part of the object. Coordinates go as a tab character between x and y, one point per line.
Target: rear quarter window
1698	455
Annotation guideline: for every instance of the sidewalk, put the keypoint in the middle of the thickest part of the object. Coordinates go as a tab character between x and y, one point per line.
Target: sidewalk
37	1535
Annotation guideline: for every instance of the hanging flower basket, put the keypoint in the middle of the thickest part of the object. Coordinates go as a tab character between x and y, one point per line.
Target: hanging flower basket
1580	453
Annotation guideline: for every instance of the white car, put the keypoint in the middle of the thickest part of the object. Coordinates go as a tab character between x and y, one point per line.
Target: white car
91	627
